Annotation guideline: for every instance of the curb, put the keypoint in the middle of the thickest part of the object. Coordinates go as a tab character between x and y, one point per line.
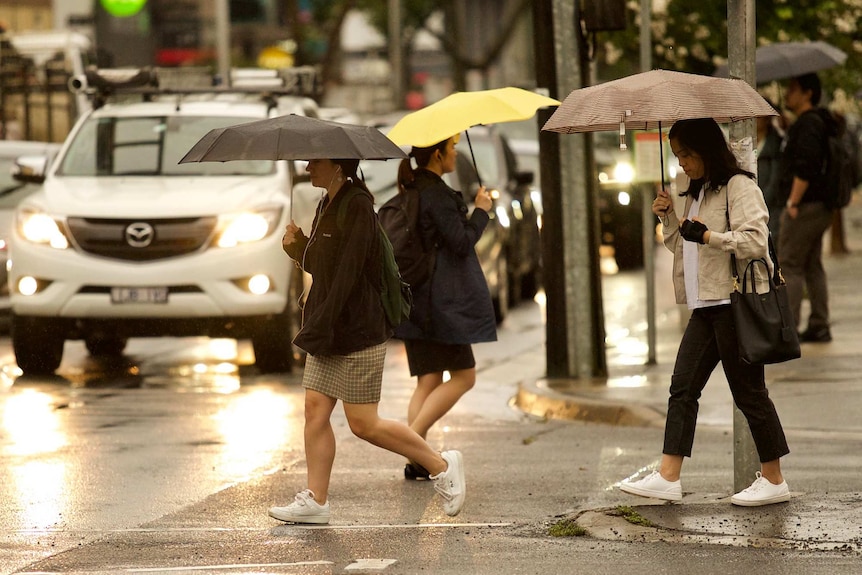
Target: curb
541	400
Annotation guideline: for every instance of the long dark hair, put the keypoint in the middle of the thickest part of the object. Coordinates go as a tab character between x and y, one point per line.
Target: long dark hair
704	137
406	173
349	168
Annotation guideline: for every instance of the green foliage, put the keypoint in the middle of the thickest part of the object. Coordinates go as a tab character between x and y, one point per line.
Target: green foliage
633	516
693	37
566	528
414	13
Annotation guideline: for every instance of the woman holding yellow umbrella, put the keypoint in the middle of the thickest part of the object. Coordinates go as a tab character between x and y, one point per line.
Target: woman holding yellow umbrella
453	309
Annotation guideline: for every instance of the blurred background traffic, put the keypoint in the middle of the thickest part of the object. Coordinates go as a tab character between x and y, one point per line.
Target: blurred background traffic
357	61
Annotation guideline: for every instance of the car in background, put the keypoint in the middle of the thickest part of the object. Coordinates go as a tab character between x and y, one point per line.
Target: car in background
120	240
619	196
12	191
382	179
517	205
620	201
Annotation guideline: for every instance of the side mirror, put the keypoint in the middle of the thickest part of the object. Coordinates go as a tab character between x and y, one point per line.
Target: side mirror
524	178
30	169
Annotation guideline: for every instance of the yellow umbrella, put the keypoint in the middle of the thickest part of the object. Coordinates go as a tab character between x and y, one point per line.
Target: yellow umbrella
459	111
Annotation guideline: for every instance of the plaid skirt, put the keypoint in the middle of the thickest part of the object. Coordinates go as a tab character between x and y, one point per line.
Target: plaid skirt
353	378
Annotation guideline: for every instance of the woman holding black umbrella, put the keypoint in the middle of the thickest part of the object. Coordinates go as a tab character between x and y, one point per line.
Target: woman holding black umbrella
721	212
344	331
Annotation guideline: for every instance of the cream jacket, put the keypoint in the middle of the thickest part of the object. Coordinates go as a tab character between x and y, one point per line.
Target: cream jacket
747	238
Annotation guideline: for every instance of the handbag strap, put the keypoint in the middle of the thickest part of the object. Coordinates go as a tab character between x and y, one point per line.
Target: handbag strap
777	277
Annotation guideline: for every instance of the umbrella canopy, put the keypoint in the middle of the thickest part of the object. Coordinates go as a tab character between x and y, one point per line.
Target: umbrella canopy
293	137
784	60
459	111
650	100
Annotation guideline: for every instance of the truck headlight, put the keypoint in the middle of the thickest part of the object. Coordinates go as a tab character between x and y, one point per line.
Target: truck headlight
40	228
247	227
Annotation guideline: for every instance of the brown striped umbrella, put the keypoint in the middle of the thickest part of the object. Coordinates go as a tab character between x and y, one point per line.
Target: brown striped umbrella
656	99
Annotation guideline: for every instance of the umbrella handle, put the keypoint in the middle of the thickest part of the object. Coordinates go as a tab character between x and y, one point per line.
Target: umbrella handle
475	167
661	156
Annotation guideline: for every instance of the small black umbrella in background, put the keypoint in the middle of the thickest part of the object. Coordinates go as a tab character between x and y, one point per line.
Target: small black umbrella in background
784	60
292	137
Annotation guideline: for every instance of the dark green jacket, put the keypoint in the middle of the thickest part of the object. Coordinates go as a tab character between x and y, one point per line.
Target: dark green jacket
343	313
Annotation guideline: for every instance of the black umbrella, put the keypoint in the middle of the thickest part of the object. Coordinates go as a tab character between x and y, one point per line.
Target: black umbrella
784	60
293	137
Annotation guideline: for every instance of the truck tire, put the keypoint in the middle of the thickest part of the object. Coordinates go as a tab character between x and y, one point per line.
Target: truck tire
105	345
38	344
274	351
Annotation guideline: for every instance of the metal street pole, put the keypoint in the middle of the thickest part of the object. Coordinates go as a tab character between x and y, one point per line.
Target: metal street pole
740	62
648	218
584	310
395	53
222	17
574	316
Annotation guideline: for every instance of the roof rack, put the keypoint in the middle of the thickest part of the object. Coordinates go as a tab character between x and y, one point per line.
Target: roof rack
101	84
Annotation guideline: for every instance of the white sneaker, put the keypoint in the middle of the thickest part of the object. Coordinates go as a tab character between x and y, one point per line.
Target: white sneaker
452	484
762	492
304	509
654	485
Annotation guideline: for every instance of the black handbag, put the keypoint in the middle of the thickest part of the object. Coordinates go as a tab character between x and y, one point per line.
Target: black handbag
765	327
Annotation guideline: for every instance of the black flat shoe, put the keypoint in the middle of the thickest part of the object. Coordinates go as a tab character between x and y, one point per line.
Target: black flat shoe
416	472
818	335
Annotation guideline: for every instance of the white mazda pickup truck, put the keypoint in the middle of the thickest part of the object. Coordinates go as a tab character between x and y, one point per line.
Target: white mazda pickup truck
121	241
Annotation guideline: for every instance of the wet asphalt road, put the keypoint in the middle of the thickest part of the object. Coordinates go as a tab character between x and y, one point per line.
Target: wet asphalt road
165	462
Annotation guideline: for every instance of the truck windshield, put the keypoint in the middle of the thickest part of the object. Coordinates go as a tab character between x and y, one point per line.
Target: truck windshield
150	146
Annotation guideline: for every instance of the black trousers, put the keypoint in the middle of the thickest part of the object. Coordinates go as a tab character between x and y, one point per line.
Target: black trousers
710	337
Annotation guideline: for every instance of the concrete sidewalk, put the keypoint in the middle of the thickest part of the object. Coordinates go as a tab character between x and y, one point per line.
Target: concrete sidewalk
819	393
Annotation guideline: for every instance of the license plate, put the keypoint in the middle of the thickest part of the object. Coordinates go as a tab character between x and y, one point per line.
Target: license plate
139	295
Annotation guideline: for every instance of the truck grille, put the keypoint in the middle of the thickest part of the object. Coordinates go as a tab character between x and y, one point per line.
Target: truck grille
141	240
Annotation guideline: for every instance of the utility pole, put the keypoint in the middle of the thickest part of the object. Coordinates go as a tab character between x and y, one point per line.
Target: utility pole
574	315
553	268
222	18
647	217
395	53
740	63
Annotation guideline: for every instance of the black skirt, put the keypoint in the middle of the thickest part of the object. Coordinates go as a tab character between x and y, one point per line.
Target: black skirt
425	356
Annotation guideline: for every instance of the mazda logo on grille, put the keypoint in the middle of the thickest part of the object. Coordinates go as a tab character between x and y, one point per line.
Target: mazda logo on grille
140	234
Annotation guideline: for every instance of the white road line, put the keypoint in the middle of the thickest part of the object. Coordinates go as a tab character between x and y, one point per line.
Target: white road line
370	564
248	529
222	567
384	526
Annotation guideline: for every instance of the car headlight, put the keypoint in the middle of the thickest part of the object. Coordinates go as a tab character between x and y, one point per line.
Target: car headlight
502	216
247	227
624	172
40	228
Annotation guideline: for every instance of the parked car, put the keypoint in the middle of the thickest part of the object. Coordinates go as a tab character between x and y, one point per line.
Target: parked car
382	180
620	201
12	191
517	206
620	197
122	241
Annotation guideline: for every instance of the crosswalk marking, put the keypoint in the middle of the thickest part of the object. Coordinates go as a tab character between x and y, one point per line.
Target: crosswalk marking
389	526
370	564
